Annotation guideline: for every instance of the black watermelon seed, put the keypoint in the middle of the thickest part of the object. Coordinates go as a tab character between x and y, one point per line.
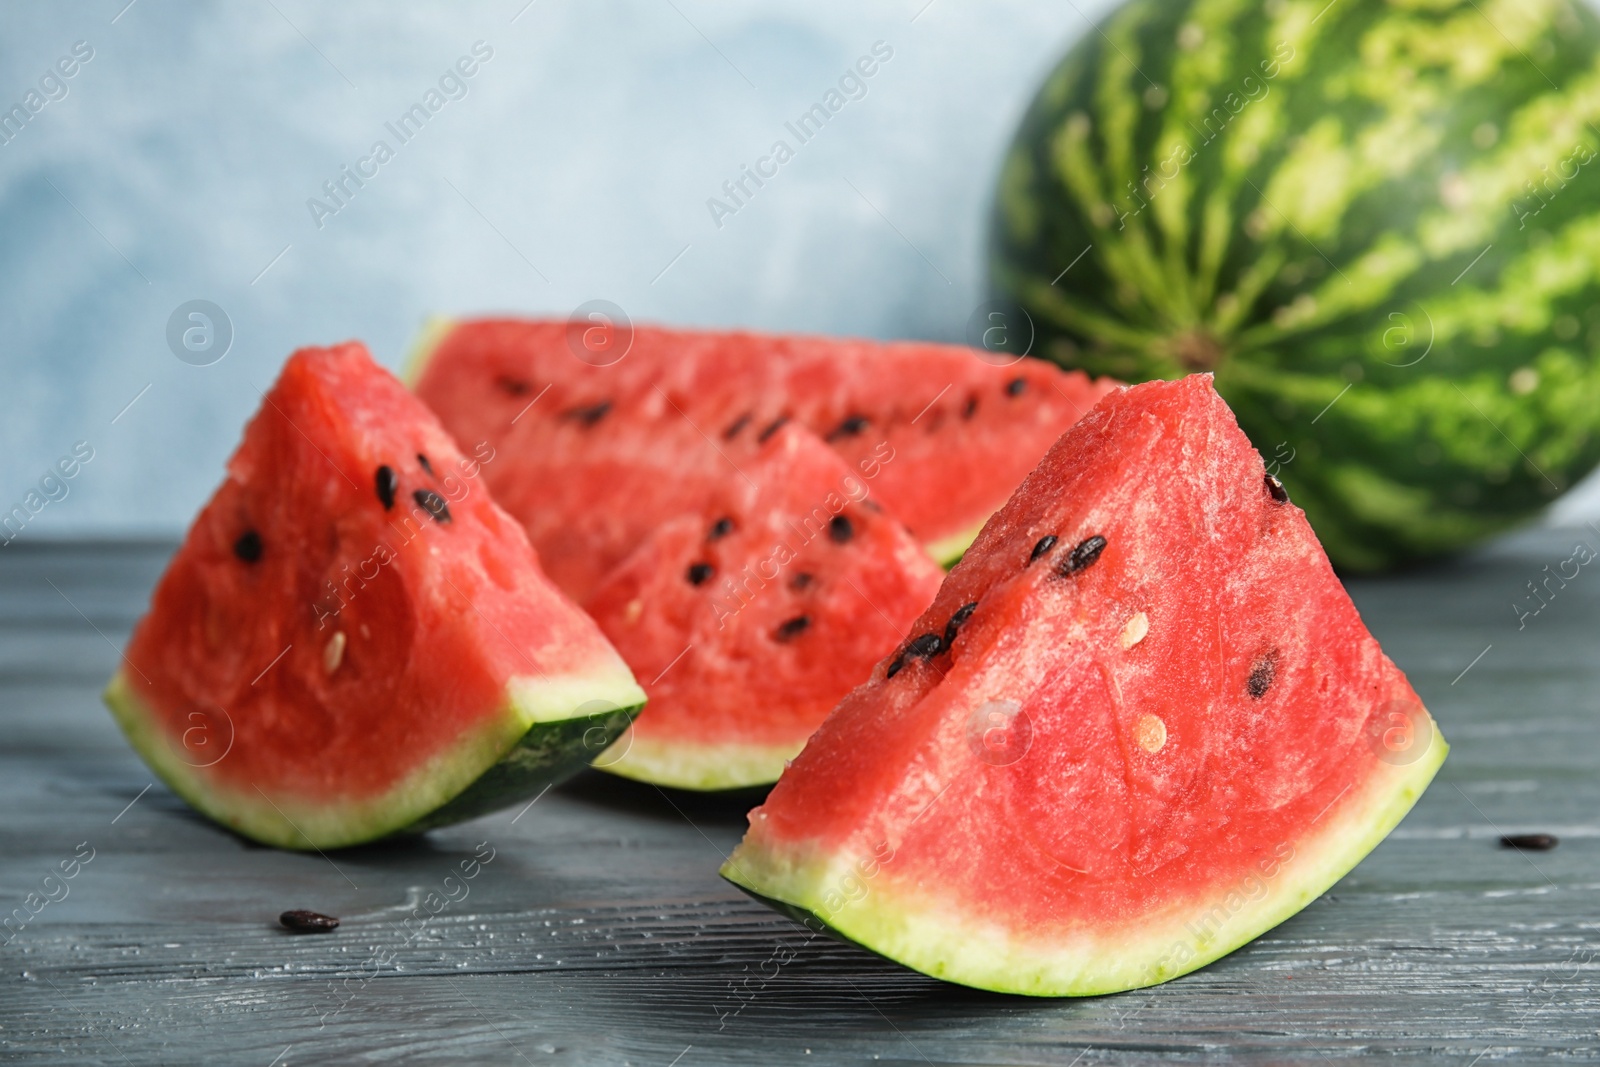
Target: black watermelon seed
957	621
1530	842
1087	552
840	529
387	484
894	668
591	414
1046	543
1275	487
924	646
434	503
802	581
699	573
772	427
1015	386
426	465
248	547
720	529
735	426
513	386
308	922
850	427
1261	676
791	628
971	409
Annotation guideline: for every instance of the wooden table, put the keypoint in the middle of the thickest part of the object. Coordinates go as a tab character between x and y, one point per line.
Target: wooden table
599	933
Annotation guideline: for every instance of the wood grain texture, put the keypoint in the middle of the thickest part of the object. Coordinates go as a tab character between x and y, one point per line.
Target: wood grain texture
600	933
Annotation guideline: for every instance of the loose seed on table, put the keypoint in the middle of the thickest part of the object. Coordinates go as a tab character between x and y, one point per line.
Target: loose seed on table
308	922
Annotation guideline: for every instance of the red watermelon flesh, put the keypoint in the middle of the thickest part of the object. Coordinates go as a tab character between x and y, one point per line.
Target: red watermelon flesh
1158	728
748	618
591	477
354	635
962	431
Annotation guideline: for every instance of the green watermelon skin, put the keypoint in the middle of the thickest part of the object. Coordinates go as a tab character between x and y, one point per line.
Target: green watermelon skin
1372	221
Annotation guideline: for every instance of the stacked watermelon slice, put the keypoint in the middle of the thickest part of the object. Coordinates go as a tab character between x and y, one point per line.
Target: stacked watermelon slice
741	513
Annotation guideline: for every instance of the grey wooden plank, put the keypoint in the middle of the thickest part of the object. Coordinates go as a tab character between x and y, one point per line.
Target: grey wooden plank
600	932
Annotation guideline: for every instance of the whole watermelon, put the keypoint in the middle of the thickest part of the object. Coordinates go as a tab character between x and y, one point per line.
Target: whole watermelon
1377	222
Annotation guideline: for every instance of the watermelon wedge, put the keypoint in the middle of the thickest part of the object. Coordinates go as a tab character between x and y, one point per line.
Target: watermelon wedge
1141	724
748	618
962	431
354	640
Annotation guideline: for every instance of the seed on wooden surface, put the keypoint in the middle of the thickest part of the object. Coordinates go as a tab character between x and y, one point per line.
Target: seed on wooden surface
1046	543
425	464
850	427
333	652
840	529
772	427
1262	675
700	573
720	529
1134	629
308	922
248	547
1087	552
1275	487
387	484
957	621
1016	386
789	629
1530	842
591	414
434	503
735	426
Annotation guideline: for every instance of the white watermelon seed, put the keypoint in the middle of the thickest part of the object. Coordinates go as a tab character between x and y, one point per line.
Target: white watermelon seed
1134	630
333	652
1151	733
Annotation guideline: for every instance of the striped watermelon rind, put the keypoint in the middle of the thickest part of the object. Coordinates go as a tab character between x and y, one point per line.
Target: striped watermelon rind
547	729
817	889
1367	218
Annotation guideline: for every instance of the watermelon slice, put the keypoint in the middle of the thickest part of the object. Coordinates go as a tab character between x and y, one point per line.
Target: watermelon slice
354	640
1141	724
751	616
962	431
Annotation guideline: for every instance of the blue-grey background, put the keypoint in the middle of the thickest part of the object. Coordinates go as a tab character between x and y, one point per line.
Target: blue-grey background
577	166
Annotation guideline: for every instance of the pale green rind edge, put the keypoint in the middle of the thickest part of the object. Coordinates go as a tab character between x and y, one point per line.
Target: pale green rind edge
701	768
434	329
530	719
934	938
947	551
